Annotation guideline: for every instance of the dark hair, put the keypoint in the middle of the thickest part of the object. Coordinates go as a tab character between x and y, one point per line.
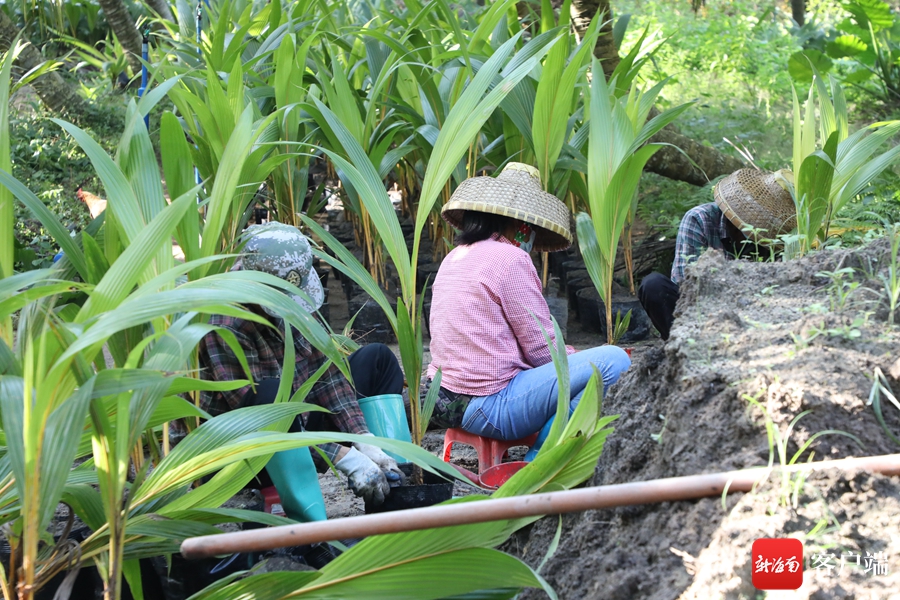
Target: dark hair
477	226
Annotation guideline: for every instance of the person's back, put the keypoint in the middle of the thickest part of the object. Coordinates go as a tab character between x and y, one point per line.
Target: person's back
489	316
474	293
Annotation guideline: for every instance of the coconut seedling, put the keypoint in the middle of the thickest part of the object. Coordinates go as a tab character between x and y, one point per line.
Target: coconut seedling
7	214
289	181
814	170
617	153
60	399
555	100
463	122
621	326
891	279
625	73
881	387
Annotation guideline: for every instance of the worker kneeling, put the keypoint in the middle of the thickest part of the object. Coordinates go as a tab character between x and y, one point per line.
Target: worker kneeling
281	250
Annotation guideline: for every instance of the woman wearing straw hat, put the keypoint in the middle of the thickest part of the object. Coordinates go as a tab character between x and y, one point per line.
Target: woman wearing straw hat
749	201
487	310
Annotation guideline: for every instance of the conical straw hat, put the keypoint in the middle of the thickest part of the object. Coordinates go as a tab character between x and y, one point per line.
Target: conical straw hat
756	198
515	193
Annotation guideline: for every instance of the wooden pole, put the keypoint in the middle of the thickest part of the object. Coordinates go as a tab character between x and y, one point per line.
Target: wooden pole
624	494
545	257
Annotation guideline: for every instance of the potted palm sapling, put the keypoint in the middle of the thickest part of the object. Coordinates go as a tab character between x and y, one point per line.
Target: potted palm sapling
617	153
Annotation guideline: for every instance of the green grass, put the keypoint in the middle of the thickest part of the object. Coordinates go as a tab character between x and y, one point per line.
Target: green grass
51	163
732	58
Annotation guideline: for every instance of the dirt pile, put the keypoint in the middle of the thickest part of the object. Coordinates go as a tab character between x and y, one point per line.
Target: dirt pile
850	525
793	340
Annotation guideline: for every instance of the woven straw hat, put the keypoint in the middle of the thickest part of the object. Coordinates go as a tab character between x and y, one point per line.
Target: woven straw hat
515	193
757	198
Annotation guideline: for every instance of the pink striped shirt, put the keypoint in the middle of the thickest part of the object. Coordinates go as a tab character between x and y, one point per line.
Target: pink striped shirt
482	330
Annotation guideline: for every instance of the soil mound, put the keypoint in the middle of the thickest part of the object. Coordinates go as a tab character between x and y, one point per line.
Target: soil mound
792	338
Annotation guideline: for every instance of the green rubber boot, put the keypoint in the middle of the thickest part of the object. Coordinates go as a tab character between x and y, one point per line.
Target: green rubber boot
295	478
386	417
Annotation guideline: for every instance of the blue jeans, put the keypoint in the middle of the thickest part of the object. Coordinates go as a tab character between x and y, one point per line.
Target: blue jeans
529	399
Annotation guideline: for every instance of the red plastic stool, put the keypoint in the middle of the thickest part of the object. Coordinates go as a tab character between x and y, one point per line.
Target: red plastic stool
271	501
490	451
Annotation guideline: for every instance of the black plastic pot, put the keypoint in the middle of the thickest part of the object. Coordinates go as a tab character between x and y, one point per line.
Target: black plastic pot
371	323
589	303
592	314
558	258
322	271
576	280
351	289
575	264
325	311
435	489
89	586
426	316
559	309
425	273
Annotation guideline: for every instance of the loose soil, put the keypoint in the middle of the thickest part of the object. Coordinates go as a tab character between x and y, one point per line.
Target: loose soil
683	410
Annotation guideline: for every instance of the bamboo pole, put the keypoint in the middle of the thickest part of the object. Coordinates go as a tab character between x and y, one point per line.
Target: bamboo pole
624	494
545	258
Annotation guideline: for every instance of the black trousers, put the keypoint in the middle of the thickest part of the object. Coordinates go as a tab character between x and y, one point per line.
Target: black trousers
658	295
375	371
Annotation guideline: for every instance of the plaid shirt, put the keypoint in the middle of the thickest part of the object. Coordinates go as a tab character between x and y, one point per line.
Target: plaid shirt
264	348
701	227
482	330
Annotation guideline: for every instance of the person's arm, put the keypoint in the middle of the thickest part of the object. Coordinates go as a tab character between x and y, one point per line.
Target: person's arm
520	296
692	240
334	393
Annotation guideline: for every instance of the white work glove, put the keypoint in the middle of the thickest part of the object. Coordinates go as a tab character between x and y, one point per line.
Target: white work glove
365	477
384	462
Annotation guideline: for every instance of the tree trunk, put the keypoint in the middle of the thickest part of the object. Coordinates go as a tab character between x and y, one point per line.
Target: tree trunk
582	12
122	24
671	163
161	8
56	94
798	11
668	162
